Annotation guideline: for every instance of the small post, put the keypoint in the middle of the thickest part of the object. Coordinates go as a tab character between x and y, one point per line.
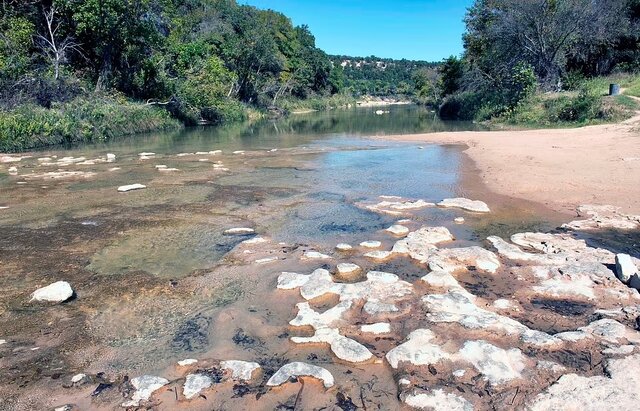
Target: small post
614	89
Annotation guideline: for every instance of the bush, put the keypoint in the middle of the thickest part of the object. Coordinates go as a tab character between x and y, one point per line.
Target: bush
82	120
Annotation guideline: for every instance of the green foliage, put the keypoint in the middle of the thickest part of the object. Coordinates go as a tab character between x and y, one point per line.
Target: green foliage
15	43
451	73
81	120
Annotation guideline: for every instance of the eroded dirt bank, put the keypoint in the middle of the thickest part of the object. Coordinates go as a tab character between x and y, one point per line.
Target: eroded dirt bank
561	168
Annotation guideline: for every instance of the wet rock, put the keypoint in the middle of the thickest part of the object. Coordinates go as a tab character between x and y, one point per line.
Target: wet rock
131	187
240	370
239	231
419	349
371	244
187	362
617	390
465	204
436	400
56	293
378	328
497	365
314	255
348	270
455	259
563	246
194	384
603	217
254	241
625	268
398	230
344	247
145	386
379	255
344	348
78	377
300	369
421	244
396	205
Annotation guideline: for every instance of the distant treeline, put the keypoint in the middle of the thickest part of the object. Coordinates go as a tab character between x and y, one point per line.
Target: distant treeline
377	76
514	48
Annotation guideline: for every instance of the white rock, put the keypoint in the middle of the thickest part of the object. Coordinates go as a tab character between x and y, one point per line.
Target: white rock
111	157
343	347
240	370
348	268
455	259
573	392
404	381
502	304
437	400
3	342
419	349
131	187
420	244
625	268
459	373
621	350
239	231
371	244
187	362
254	240
465	204
267	260
194	384
344	247
459	220
145	386
77	378
63	408
378	328
603	217
57	292
398	230
300	369
314	255
379	255
238	152
498	366
375	306
146	154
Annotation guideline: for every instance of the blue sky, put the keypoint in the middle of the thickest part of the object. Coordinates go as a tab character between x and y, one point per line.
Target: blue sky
414	29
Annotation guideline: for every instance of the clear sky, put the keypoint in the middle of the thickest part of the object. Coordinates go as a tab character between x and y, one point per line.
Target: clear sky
414	29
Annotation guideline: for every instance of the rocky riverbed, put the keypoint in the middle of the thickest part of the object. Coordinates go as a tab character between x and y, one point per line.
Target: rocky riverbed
305	278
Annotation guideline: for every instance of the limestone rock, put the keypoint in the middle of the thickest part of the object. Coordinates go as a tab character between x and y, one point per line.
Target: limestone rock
398	230
378	328
465	204
145	386
371	244
240	370
239	231
344	247
379	255
194	384
454	259
314	255
417	350
344	348
498	366
347	270
619	390
300	369
421	244
438	400
625	268
187	362
131	187
56	293
603	217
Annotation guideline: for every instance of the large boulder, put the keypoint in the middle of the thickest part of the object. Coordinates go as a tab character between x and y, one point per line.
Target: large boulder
57	292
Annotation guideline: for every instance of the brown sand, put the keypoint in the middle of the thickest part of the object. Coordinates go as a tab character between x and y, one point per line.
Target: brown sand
561	168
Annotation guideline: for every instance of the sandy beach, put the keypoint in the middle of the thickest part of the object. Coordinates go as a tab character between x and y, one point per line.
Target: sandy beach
561	168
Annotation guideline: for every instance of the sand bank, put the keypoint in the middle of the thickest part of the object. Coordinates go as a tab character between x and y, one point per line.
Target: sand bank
561	168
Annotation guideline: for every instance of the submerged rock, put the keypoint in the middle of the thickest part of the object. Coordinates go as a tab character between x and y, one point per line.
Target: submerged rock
371	244
240	370
396	205
300	369
314	255
145	386
465	204
239	231
195	383
131	187
344	247
55	293
398	230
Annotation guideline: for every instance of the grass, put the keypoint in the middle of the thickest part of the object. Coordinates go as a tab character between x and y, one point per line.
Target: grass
81	120
317	103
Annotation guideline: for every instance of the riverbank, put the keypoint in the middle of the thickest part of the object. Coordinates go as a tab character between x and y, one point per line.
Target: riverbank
561	168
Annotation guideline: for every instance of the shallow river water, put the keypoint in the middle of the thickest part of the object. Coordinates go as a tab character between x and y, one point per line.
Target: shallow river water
157	280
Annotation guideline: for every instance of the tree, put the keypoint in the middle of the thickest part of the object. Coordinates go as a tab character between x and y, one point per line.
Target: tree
451	73
55	49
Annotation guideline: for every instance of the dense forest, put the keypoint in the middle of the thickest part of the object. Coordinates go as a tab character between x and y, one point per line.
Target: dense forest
514	48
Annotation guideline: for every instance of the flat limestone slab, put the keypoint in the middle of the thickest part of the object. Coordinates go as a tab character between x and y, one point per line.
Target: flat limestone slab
131	187
300	369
